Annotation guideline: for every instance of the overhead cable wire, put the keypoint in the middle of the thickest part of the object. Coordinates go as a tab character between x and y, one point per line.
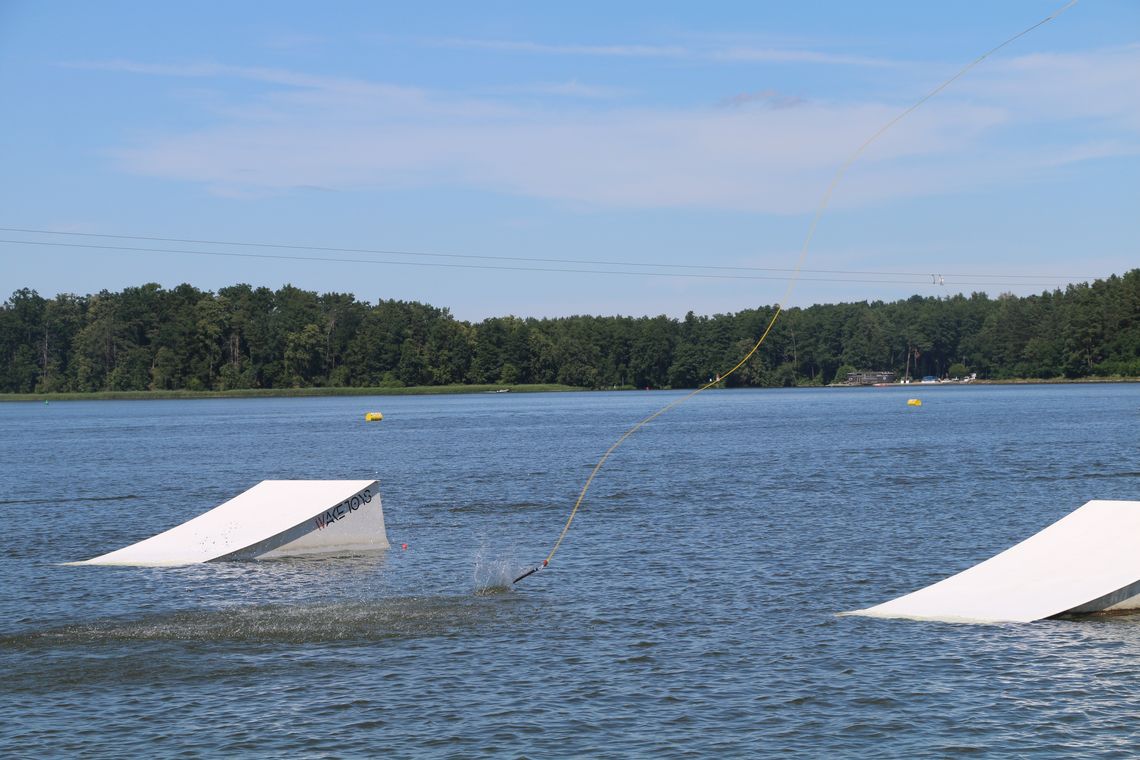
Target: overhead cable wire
1044	280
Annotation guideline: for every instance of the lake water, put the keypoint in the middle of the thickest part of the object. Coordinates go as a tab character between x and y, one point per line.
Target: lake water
691	611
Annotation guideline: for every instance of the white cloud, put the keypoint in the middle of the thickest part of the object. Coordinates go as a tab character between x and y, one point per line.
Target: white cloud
267	75
767	98
735	53
780	55
1100	84
346	133
570	89
608	51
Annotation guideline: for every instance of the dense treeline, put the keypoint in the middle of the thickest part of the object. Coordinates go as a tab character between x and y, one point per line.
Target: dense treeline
149	338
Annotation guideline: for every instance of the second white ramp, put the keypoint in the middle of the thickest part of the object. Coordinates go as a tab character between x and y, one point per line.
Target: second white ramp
1087	561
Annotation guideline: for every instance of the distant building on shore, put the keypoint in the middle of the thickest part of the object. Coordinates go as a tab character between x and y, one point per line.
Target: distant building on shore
869	377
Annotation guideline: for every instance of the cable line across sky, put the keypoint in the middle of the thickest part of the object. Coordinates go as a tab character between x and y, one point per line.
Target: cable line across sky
581	266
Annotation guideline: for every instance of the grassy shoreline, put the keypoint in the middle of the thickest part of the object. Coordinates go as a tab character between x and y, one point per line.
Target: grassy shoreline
425	390
418	390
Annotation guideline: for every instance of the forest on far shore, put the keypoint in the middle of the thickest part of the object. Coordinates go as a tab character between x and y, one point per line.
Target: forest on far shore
151	338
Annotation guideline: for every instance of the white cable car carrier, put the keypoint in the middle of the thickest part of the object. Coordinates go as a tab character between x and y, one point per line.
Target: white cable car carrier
275	518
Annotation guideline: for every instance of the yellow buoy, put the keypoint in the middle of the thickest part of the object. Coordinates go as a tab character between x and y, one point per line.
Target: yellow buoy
914	402
373	416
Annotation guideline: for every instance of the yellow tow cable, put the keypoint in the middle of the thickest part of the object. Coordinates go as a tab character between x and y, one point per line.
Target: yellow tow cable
824	201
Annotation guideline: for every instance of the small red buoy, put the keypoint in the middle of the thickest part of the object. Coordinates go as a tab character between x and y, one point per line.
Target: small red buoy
404	546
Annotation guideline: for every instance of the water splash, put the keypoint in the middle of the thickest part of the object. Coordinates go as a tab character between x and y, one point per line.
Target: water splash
493	574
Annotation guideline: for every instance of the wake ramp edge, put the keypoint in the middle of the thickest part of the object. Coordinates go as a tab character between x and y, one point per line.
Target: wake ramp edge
275	518
1088	561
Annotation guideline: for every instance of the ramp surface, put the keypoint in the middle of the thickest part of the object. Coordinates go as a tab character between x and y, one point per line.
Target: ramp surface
274	518
1087	561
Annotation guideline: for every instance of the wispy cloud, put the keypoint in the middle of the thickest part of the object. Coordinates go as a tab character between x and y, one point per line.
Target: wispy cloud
1099	84
341	97
778	55
569	89
268	75
541	48
768	98
308	130
730	53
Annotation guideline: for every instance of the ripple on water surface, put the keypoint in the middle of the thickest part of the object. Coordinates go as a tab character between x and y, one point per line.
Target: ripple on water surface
691	610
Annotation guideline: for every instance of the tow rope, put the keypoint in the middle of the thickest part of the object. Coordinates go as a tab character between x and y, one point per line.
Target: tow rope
824	201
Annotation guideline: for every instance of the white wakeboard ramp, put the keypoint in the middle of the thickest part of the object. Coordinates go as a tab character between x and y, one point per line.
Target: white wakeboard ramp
1088	561
275	518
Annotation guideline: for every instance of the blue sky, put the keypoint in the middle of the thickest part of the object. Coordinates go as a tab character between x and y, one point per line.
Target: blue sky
643	138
